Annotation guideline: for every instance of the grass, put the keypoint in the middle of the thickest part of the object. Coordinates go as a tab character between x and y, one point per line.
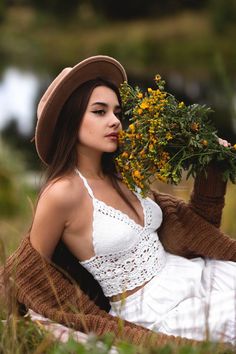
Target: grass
22	336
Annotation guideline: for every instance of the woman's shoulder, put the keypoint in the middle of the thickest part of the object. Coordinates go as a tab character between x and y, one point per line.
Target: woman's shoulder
63	192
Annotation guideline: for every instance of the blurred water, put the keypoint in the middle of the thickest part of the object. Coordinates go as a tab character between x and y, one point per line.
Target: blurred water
18	92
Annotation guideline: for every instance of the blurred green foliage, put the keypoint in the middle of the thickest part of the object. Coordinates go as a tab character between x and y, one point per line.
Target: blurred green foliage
19	142
119	10
8	195
9	169
59	9
223	14
2	10
13	186
22	336
112	10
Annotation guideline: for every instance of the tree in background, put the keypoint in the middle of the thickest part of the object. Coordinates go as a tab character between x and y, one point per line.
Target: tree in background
223	14
112	10
2	10
124	9
59	9
18	142
11	168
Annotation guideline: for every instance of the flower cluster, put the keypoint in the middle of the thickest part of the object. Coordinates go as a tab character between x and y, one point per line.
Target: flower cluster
166	137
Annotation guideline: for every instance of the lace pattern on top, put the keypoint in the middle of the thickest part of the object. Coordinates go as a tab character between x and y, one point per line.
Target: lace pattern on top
118	272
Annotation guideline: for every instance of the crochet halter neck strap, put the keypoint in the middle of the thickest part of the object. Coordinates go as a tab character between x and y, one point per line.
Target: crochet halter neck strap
90	192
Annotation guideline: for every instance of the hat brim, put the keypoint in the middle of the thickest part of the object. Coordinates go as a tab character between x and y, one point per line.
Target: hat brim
98	66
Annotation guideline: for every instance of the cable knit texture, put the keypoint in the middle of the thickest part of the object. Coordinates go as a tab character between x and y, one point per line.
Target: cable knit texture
48	290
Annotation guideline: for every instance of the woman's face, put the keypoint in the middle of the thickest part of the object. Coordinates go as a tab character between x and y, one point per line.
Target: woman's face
101	121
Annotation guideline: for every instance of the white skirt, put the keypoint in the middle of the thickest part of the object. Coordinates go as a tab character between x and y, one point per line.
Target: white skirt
195	299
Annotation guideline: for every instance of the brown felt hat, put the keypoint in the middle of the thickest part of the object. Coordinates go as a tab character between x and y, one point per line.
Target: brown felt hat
63	86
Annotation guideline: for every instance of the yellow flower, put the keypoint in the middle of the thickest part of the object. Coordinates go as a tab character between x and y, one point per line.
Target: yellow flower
151	147
132	128
125	154
137	174
144	105
121	134
169	136
204	142
140	95
157	77
194	127
181	104
165	155
234	146
140	111
161	177
143	154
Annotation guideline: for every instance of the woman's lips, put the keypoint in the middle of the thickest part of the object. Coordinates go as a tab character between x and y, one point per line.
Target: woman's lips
113	136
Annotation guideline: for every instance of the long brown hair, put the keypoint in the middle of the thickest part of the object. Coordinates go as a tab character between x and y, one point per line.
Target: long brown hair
63	150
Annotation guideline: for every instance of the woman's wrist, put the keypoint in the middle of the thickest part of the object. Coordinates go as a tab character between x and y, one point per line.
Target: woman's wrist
210	183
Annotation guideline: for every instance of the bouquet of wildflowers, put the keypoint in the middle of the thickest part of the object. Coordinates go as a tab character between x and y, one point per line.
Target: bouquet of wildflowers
166	137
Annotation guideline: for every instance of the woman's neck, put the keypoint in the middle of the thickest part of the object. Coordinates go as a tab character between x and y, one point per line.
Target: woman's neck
90	165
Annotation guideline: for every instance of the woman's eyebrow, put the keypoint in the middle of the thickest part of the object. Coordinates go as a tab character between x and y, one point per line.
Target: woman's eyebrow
104	104
100	103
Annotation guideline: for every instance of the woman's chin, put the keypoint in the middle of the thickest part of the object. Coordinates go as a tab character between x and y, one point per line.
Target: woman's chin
111	148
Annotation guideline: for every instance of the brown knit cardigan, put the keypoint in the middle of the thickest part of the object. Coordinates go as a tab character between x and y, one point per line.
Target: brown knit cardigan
77	301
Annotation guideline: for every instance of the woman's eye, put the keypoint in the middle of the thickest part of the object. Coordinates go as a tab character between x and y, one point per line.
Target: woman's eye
99	112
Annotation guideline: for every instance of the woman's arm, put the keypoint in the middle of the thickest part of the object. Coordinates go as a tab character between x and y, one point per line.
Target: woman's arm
42	287
185	233
51	217
207	198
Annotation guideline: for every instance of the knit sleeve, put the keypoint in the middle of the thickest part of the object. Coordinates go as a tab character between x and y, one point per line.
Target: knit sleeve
185	233
207	198
39	285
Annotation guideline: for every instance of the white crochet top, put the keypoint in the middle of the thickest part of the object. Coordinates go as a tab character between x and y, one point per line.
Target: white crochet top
126	253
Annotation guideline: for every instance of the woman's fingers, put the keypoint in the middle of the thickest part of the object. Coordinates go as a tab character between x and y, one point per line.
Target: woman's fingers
224	142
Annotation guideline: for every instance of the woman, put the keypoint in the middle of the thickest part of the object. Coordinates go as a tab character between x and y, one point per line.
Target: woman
89	223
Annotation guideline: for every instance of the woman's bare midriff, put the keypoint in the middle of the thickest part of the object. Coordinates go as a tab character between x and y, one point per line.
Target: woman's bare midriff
127	293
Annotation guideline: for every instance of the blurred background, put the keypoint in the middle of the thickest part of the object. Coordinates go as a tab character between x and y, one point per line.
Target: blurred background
191	43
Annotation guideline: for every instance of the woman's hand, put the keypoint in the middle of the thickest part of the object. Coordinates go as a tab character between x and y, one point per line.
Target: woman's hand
224	142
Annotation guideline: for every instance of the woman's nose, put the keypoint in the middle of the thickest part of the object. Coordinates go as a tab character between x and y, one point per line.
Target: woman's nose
114	121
